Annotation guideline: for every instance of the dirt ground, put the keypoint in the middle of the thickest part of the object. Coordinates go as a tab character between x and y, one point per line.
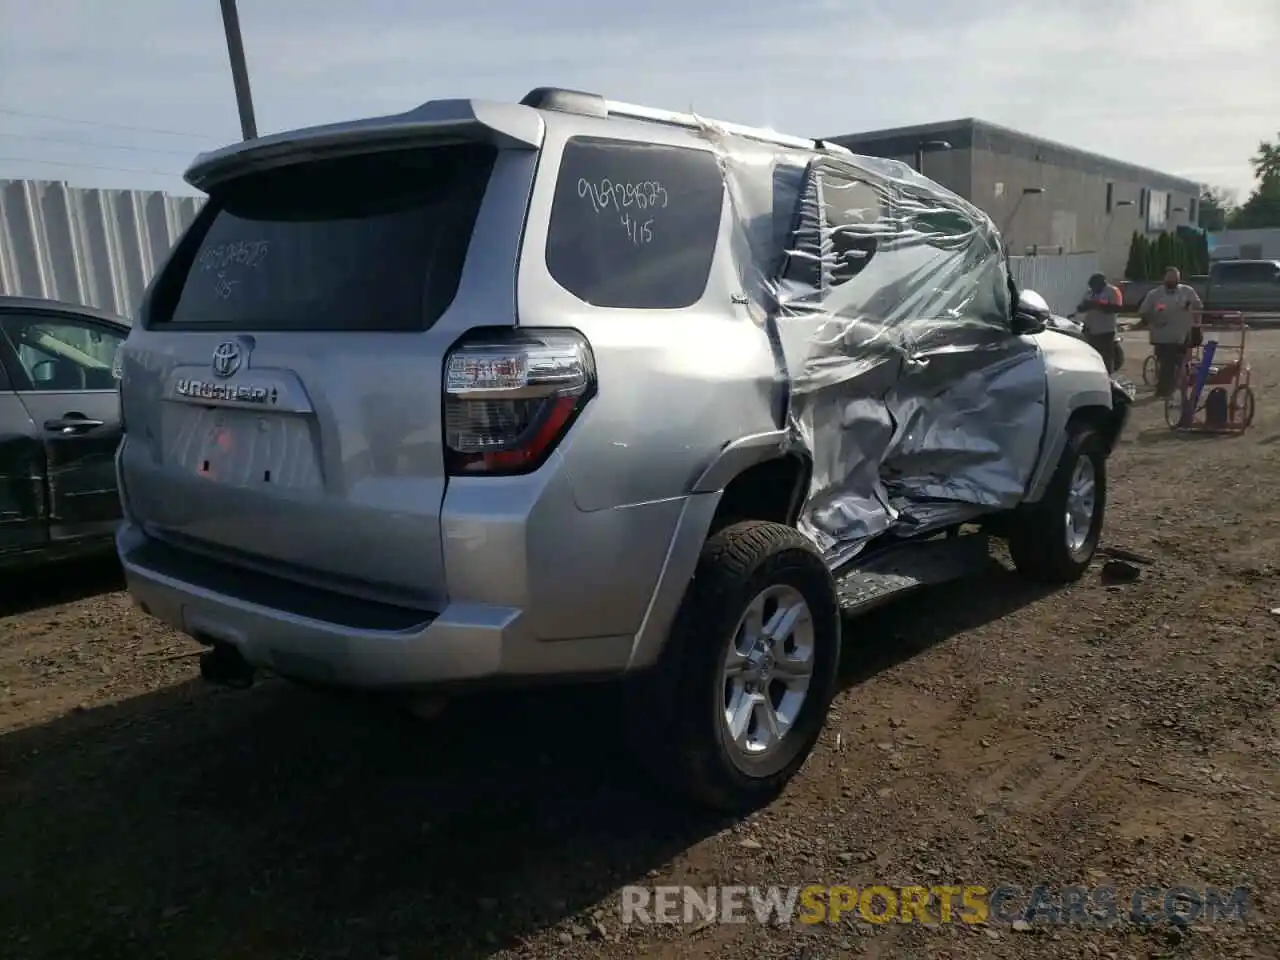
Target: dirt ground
1125	735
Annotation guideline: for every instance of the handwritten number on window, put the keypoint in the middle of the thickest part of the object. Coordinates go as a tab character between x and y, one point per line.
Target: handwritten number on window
242	253
627	199
638	232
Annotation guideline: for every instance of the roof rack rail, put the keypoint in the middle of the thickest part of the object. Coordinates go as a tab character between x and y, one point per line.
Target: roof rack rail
566	101
594	105
634	111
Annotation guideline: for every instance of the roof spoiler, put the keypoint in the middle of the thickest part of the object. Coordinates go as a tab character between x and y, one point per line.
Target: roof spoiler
438	121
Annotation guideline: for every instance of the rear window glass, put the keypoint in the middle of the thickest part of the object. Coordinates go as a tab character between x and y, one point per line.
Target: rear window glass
1246	272
374	242
634	225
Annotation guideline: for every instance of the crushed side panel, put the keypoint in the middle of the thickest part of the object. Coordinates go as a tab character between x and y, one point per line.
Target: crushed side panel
887	299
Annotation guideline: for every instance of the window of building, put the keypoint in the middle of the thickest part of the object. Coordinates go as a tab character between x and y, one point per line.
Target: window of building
1111	189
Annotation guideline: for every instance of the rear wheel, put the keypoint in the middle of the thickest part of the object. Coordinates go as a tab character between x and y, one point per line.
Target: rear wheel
1054	541
1242	406
741	693
1149	370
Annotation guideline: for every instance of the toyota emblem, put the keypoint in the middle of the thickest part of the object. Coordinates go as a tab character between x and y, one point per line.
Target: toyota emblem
226	358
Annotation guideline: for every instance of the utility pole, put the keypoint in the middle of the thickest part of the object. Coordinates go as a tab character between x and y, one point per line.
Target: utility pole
239	69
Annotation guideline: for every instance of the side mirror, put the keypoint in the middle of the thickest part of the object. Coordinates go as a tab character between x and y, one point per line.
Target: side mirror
1024	323
1031	313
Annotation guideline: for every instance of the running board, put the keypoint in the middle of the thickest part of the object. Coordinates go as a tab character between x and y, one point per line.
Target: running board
896	570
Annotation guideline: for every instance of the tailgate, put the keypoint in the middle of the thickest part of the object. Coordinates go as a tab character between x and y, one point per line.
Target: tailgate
283	403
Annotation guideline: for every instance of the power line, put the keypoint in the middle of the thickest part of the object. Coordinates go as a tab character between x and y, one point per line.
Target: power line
103	123
90	166
93	143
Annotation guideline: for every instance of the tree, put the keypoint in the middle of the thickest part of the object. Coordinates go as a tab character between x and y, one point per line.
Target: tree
1262	209
1164	254
1214	207
1148	257
1266	162
1199	253
1135	267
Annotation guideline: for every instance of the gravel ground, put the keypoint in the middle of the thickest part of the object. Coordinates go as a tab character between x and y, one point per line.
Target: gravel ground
1125	735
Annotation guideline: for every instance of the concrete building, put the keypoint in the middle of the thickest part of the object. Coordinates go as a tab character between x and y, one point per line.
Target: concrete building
1045	197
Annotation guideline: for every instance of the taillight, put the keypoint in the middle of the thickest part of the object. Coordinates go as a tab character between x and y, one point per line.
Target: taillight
510	398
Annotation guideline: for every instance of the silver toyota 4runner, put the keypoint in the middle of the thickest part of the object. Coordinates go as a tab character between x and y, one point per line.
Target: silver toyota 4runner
575	389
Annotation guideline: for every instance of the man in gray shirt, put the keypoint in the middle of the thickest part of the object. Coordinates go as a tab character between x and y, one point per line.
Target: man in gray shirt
1171	312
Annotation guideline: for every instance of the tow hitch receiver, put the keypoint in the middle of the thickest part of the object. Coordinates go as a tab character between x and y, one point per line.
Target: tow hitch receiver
223	665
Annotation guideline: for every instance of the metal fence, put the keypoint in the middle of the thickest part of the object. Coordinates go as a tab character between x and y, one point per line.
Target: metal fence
1061	279
87	246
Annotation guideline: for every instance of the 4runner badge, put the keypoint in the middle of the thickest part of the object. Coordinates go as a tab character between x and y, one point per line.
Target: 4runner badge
240	393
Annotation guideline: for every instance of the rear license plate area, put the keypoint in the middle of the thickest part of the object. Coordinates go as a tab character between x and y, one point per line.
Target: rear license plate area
240	448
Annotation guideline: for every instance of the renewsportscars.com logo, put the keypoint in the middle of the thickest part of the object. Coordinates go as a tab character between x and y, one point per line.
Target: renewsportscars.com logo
938	904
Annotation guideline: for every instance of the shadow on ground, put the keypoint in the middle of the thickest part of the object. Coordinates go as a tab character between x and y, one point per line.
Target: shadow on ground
1169	435
50	584
892	635
278	823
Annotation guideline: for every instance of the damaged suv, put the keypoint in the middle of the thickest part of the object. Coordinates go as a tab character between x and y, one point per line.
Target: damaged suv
575	389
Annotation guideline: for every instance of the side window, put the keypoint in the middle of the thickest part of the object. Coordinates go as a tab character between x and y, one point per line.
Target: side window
853	209
634	225
59	354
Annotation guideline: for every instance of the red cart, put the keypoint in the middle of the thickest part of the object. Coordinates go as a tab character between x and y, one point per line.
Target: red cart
1213	393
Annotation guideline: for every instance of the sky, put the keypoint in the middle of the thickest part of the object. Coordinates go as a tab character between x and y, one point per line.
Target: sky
123	93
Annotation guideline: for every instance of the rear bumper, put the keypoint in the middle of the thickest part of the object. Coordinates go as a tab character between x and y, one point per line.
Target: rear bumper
365	645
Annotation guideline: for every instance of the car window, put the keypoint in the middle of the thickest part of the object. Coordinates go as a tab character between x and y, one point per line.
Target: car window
634	225
373	242
1246	272
853	210
62	353
889	245
835	228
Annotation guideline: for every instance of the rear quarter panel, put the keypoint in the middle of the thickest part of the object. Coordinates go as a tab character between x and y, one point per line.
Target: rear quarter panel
675	386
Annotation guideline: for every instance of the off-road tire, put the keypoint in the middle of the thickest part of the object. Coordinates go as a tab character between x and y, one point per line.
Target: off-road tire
1038	536
674	714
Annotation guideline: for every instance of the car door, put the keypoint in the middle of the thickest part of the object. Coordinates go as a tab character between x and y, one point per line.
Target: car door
909	381
62	370
1233	286
1265	288
22	511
